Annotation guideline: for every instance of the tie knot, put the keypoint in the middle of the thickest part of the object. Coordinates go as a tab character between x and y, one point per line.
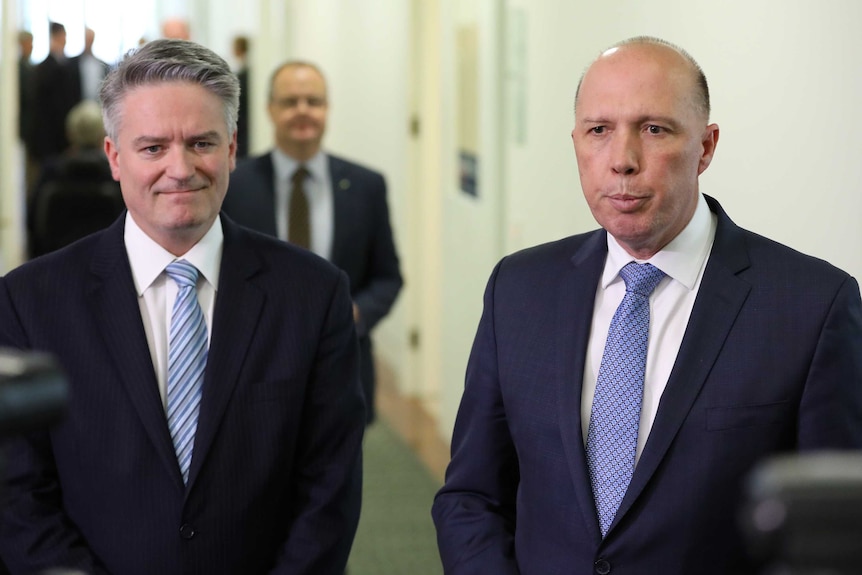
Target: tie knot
299	175
182	272
641	278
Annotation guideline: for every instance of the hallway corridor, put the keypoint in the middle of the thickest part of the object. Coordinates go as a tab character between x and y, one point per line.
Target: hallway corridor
404	464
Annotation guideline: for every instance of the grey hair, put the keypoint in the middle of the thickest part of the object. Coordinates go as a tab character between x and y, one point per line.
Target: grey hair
169	60
701	96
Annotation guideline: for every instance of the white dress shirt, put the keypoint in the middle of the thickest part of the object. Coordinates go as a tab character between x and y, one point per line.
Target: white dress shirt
683	261
318	188
157	292
92	73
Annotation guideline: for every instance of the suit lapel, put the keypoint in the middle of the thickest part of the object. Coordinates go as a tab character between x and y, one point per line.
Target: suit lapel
263	165
341	184
718	303
233	328
115	307
577	297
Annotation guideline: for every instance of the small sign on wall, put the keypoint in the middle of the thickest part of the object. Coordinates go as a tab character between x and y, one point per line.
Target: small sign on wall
468	172
467	108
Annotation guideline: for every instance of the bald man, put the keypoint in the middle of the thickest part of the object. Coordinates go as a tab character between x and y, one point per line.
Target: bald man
347	211
176	28
608	423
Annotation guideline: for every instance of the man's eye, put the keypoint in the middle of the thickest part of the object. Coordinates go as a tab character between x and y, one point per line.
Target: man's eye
152	149
598	130
203	145
653	129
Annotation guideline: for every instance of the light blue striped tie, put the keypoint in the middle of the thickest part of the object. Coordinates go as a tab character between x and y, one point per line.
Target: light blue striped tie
187	359
612	436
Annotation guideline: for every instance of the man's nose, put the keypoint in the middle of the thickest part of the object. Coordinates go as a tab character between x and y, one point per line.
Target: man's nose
181	163
625	153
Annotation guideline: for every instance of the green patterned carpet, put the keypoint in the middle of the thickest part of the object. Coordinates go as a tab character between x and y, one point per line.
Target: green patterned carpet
396	535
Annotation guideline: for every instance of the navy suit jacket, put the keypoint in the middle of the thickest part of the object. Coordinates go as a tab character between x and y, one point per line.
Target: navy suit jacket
275	480
771	361
362	243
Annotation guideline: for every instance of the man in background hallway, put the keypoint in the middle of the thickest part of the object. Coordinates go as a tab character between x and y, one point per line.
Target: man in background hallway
90	69
240	54
56	89
346	206
25	83
176	28
26	72
571	454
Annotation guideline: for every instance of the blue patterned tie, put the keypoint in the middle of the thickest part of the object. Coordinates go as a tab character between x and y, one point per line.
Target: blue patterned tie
612	436
187	359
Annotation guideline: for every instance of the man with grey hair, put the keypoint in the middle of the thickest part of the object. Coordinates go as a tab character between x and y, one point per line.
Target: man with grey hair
624	382
215	417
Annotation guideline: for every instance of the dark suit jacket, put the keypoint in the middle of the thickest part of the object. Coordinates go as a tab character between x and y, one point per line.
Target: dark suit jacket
26	71
771	361
56	90
242	120
275	480
75	63
362	245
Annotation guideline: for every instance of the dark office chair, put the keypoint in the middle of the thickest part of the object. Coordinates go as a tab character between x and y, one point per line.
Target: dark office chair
79	199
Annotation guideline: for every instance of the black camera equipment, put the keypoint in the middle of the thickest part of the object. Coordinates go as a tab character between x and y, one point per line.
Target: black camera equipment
804	514
33	392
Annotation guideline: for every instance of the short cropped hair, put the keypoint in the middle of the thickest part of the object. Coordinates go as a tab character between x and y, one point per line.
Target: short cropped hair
701	95
169	60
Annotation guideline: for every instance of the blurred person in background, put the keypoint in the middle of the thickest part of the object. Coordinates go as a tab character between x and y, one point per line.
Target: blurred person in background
334	207
176	28
240	54
76	193
91	70
26	80
56	89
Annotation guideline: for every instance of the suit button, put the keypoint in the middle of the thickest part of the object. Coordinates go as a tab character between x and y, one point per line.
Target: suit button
187	531
602	567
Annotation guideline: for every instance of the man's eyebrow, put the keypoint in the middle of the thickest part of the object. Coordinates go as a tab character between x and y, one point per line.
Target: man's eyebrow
644	119
155	140
208	135
596	120
148	140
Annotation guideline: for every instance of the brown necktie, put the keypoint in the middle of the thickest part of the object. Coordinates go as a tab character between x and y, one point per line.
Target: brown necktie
299	230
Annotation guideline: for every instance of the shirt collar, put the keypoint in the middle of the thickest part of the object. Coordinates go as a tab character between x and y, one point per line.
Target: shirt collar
681	259
148	259
285	166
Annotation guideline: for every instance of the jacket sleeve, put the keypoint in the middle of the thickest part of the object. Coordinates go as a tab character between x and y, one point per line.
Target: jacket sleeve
377	295
474	512
328	488
830	412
